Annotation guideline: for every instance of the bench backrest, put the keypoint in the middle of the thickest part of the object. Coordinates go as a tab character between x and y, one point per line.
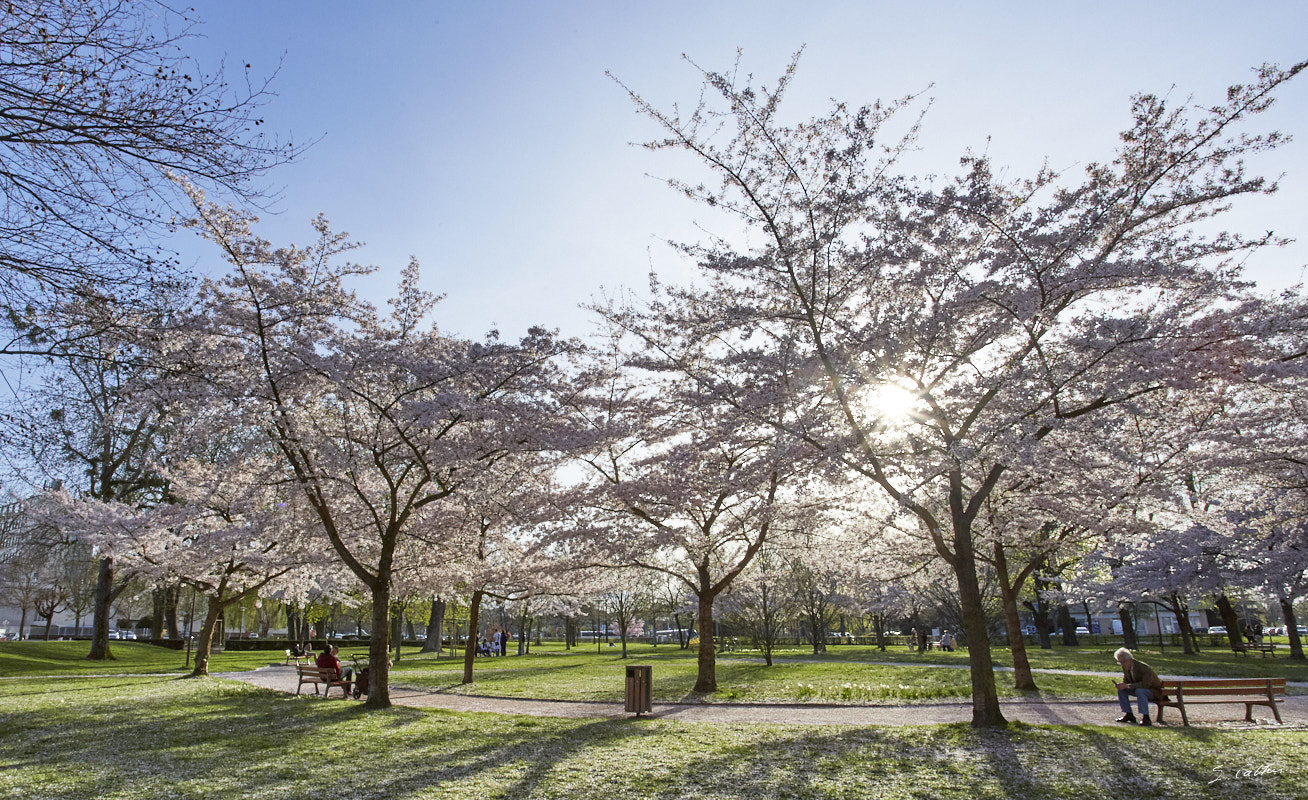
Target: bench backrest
313	671
1211	687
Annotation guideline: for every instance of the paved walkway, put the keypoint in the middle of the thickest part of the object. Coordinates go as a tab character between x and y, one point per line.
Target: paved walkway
1294	710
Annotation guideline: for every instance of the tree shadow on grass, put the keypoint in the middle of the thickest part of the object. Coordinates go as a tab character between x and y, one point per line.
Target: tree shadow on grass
193	739
1134	762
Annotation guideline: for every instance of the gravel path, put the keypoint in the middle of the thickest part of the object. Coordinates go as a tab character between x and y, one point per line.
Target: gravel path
1294	709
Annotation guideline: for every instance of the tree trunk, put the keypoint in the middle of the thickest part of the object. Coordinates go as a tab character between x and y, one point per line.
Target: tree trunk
104	598
293	624
681	637
1291	628
706	681
397	631
1187	632
158	599
985	696
204	644
1023	680
1066	623
1128	626
434	623
1040	611
379	645
1179	610
470	652
1230	620
171	599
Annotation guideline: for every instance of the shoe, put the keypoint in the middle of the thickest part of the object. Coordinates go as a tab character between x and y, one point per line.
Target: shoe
1146	722
1127	718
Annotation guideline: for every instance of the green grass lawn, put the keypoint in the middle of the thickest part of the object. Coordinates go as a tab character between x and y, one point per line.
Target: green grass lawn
142	737
69	658
848	674
586	675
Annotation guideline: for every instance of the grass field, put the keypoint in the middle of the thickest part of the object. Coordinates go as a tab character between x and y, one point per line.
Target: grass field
844	675
153	737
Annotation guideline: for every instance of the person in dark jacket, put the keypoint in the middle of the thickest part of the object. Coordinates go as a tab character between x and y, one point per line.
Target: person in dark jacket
1138	679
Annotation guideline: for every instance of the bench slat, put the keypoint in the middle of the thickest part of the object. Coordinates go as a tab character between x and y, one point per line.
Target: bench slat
314	674
1260	683
1200	691
1250	691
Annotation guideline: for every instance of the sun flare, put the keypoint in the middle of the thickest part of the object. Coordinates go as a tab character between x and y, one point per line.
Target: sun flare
892	403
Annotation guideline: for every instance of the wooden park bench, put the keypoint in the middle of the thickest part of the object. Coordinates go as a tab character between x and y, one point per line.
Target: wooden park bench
308	673
1266	648
307	658
1250	691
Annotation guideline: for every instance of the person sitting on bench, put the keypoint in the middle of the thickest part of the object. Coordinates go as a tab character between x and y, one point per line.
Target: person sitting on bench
1140	680
329	661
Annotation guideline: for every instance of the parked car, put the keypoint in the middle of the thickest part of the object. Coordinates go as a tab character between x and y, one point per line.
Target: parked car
1082	630
1217	629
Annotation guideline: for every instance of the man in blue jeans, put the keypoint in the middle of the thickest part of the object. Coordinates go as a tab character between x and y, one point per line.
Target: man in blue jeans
1138	679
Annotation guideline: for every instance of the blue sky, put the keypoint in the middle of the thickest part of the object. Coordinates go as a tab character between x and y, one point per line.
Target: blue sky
486	140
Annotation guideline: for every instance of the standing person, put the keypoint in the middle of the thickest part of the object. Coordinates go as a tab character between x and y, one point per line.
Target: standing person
505	636
947	642
1138	679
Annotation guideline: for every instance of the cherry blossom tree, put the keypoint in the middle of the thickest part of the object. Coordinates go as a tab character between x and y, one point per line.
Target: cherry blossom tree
227	533
489	537
375	419
760	602
678	482
955	329
89	425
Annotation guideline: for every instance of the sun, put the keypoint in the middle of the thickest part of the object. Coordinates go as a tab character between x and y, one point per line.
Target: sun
892	403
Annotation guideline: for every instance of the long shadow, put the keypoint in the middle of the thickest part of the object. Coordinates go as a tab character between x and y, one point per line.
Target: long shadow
228	738
214	738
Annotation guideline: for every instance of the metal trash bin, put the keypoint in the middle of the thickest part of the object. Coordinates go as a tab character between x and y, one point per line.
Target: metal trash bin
640	689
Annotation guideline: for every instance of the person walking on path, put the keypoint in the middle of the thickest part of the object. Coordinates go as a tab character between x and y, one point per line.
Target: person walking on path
1138	679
